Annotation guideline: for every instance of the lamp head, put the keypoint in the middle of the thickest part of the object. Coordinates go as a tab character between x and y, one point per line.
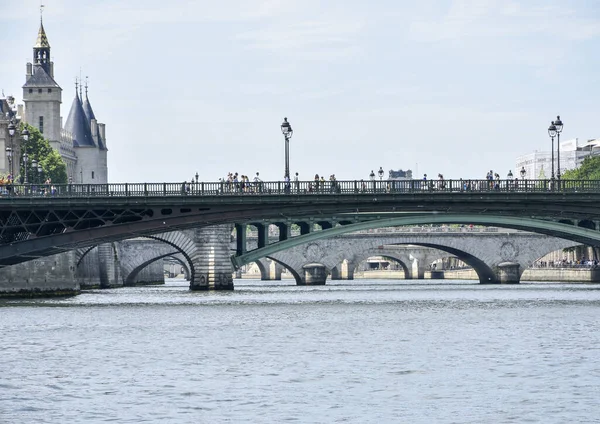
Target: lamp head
558	124
552	130
286	128
11	129
25	134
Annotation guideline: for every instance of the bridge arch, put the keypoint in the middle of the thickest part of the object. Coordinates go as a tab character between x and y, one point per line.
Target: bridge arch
180	259
569	232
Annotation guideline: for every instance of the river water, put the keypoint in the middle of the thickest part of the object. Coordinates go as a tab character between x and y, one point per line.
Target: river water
270	352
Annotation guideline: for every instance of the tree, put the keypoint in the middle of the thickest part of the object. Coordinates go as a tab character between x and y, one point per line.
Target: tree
589	170
39	149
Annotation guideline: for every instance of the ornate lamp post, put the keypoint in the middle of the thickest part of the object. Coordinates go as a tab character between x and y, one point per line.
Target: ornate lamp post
40	170
196	177
287	131
522	172
552	133
9	154
509	176
34	165
9	150
380	172
558	124
25	160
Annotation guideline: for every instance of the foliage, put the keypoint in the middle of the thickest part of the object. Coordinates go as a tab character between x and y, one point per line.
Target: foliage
589	170
39	149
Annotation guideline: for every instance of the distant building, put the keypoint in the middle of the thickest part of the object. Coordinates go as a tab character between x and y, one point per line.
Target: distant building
400	175
81	142
538	165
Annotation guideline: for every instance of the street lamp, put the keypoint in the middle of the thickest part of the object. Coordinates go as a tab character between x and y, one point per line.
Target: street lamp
9	154
559	127
287	132
40	170
25	159
380	172
196	177
34	167
523	172
552	133
9	150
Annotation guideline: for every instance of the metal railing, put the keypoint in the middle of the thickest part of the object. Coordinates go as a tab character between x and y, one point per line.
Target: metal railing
355	187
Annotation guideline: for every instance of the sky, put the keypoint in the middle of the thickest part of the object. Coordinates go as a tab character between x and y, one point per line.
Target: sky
456	87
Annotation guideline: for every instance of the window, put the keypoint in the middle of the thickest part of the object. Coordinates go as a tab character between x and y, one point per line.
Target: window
49	90
41	124
92	175
30	90
40	90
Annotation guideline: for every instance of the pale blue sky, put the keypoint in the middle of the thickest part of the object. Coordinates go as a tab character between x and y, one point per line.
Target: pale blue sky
457	86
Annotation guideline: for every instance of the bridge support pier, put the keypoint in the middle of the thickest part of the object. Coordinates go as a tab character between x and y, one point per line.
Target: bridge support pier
315	275
508	273
213	269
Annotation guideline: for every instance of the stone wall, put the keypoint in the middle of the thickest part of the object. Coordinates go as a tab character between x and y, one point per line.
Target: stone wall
50	276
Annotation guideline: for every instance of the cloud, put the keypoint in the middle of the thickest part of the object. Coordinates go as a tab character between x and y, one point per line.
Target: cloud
308	39
475	19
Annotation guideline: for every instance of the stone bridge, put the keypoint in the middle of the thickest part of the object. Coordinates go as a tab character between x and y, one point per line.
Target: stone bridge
499	257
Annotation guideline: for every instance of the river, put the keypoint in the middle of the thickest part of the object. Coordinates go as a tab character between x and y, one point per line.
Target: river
270	352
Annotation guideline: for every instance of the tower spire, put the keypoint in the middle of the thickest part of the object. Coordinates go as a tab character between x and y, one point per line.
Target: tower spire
41	49
76	86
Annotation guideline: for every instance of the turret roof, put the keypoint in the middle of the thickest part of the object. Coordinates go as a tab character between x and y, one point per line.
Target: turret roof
42	39
87	108
78	125
40	78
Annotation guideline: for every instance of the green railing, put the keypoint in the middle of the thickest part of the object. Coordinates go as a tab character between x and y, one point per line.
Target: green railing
355	187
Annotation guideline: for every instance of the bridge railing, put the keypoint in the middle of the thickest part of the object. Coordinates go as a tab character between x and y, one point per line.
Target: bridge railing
355	187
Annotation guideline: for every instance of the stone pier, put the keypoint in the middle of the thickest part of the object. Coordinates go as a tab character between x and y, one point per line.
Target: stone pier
315	275
212	265
47	277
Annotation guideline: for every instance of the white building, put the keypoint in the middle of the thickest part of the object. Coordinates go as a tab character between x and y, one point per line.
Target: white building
538	165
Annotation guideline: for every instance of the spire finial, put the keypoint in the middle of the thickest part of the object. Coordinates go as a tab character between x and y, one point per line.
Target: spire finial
86	86
41	11
76	85
80	85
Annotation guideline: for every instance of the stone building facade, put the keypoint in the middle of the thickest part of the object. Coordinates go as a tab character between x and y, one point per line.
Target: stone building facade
81	142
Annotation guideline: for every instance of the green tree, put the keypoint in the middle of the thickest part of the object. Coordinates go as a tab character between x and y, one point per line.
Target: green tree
39	149
589	170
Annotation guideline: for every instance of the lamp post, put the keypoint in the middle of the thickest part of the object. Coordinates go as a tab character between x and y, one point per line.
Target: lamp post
9	150
25	159
510	175
558	124
9	154
40	170
287	132
552	133
34	165
523	172
380	172
196	177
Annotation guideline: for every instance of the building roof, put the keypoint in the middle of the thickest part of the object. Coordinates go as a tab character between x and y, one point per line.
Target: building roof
87	108
40	78
89	114
79	126
42	39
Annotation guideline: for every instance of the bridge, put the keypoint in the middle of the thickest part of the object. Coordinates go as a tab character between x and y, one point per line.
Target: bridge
79	216
490	251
